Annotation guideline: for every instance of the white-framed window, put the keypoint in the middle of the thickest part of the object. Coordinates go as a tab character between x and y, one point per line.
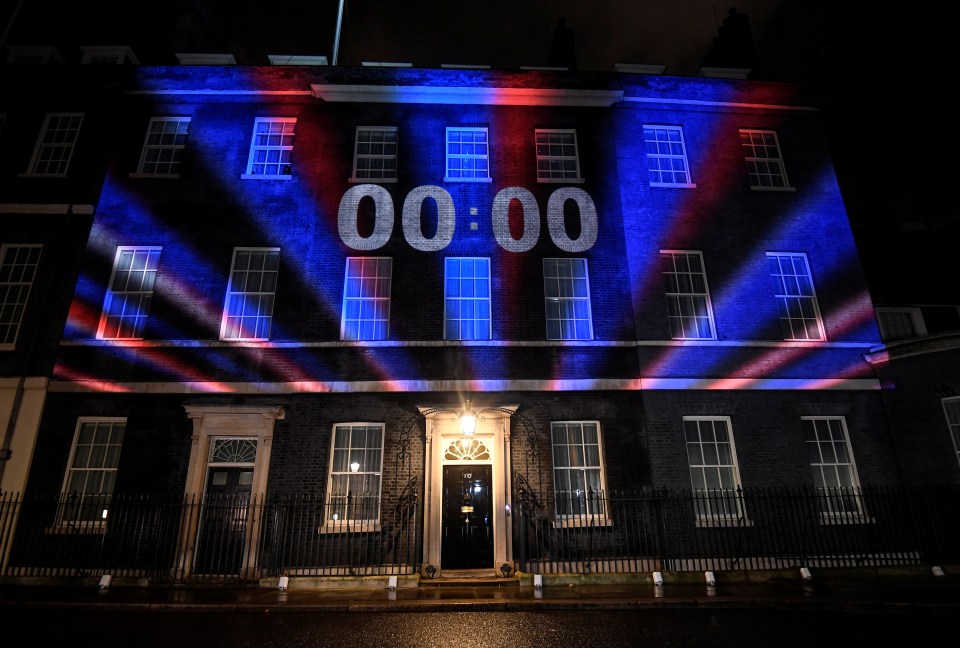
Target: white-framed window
566	289
18	268
714	476
375	154
468	155
91	471
900	323
765	168
163	146
666	156
951	409
467	307
689	310
51	156
356	468
834	471
796	297
248	308
129	293
366	298
271	148
578	473
557	157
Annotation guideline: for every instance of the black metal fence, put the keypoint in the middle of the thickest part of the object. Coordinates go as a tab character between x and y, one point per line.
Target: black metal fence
237	538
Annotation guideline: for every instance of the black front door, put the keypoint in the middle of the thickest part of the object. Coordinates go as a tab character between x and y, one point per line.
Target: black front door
223	520
467	541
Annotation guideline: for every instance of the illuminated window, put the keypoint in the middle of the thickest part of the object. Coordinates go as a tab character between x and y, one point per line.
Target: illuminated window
130	293
375	154
271	148
18	267
578	480
566	288
796	298
713	466
831	459
688	298
764	160
557	159
951	407
666	156
163	146
467	299
366	299
468	155
91	471
356	465
900	323
248	311
51	157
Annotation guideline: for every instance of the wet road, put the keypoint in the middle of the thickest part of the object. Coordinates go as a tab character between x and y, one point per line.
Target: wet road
479	629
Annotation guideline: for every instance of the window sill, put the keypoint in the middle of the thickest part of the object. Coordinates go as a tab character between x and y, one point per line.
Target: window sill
372	180
257	176
774	189
8	347
156	176
242	340
449	179
582	522
41	175
352	527
722	522
560	180
671	185
836	519
77	528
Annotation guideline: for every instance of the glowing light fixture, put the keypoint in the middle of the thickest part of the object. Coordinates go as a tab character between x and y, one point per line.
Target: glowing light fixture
468	420
355	466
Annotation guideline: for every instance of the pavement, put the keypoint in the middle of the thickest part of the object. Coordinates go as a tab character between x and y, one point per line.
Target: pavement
912	591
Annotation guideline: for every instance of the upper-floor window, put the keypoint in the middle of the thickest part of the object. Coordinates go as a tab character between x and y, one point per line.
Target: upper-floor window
468	155
51	157
688	296
578	479
248	309
467	299
271	148
712	458
91	471
951	407
557	158
796	297
130	292
18	267
163	146
366	299
764	159
831	460
375	154
356	466
666	156
566	289
900	323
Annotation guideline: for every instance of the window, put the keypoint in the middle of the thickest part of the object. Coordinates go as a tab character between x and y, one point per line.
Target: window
666	156
99	55
951	407
578	480
366	299
796	298
713	467
831	459
18	267
566	289
557	159
127	304
51	157
375	154
91	471
900	323
271	148
468	155
163	146
248	310
467	299
356	464
688	298
32	54
764	160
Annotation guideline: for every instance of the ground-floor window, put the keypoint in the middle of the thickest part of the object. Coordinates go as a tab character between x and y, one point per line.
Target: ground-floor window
356	466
